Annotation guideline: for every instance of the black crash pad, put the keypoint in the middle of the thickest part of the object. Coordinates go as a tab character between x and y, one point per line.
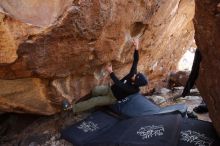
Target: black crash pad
101	129
151	130
197	133
88	129
137	105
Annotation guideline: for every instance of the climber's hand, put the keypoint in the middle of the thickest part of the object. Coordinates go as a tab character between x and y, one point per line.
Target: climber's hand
109	68
135	42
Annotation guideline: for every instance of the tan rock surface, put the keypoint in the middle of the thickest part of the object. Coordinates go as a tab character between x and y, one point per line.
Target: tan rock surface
207	22
35	12
25	95
13	32
89	34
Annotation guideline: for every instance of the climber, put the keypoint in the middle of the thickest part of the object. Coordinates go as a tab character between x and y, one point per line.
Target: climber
124	96
202	108
107	95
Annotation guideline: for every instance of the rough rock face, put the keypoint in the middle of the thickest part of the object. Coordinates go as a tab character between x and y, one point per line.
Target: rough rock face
25	95
207	22
69	45
13	32
35	12
178	79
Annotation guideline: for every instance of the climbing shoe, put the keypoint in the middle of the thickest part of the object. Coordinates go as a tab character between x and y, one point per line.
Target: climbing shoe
202	108
192	115
66	105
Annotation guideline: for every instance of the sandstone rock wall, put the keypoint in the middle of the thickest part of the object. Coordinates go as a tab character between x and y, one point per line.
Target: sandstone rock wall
207	26
36	12
27	95
70	44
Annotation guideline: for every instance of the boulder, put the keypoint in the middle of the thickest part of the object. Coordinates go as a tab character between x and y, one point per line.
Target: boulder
67	43
177	79
27	95
207	22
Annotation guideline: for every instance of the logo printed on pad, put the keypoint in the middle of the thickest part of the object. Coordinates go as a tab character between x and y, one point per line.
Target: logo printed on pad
88	126
195	137
123	100
150	131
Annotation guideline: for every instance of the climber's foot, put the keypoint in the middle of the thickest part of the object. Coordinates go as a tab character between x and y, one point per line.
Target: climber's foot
202	108
66	105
